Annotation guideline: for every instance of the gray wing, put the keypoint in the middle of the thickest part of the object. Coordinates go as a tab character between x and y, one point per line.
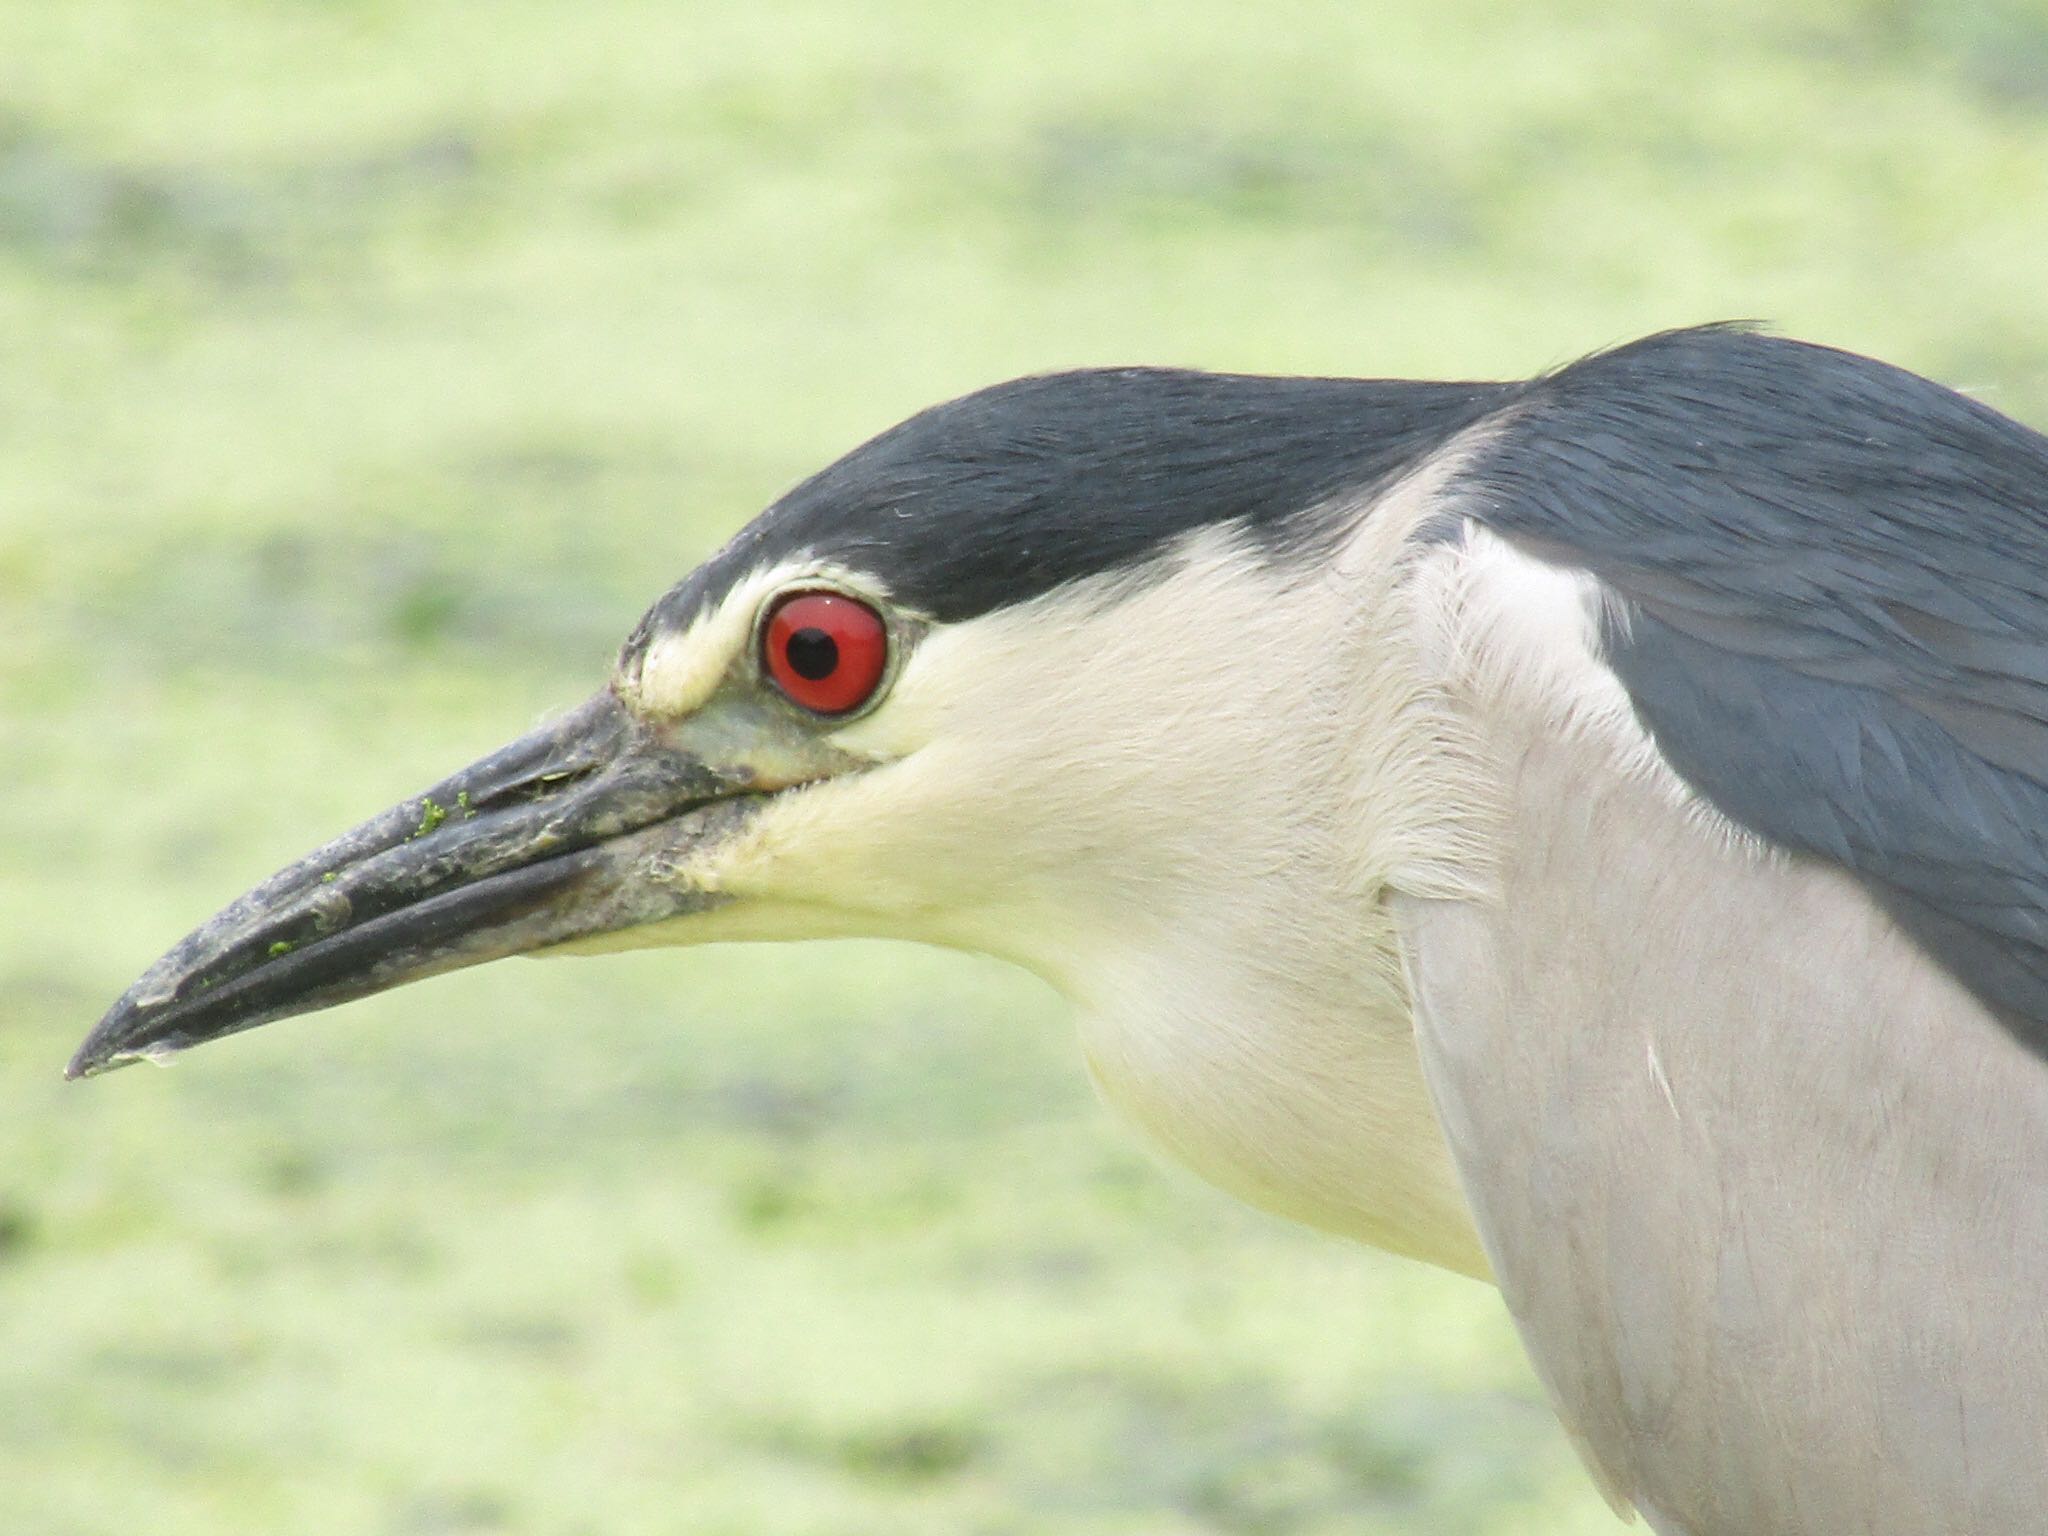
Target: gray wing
1764	1189
1836	579
1759	1147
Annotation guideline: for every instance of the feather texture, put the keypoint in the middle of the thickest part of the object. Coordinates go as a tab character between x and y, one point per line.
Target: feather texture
1833	618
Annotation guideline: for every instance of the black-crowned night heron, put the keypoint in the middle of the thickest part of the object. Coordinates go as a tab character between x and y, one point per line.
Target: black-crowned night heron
1591	833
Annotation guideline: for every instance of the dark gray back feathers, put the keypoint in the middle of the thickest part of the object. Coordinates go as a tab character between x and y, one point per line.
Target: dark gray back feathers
1837	573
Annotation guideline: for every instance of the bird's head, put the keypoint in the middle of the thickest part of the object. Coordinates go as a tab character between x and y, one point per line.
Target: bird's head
1046	672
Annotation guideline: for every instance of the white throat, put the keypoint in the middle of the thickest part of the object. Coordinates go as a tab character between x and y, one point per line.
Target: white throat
1297	1091
1253	1017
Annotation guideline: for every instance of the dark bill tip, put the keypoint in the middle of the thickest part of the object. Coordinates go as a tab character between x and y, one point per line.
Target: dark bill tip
574	830
408	944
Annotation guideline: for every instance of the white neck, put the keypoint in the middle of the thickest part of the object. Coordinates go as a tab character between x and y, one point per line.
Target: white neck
1183	799
1292	1085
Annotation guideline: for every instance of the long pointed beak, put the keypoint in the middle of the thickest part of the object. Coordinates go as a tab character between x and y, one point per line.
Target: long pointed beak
576	829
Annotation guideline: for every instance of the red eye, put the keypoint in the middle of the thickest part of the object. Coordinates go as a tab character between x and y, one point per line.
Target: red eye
825	651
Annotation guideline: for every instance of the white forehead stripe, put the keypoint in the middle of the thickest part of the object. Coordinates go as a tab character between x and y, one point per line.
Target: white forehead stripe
682	668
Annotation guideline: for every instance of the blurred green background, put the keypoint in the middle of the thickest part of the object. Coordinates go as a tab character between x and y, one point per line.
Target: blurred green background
365	368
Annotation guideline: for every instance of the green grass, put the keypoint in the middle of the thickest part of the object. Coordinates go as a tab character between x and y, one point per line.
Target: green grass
367	367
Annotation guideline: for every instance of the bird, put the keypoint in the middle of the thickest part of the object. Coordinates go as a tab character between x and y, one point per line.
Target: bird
1586	832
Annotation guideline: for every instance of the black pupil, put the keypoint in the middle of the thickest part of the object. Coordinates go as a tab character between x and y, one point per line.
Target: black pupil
813	654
